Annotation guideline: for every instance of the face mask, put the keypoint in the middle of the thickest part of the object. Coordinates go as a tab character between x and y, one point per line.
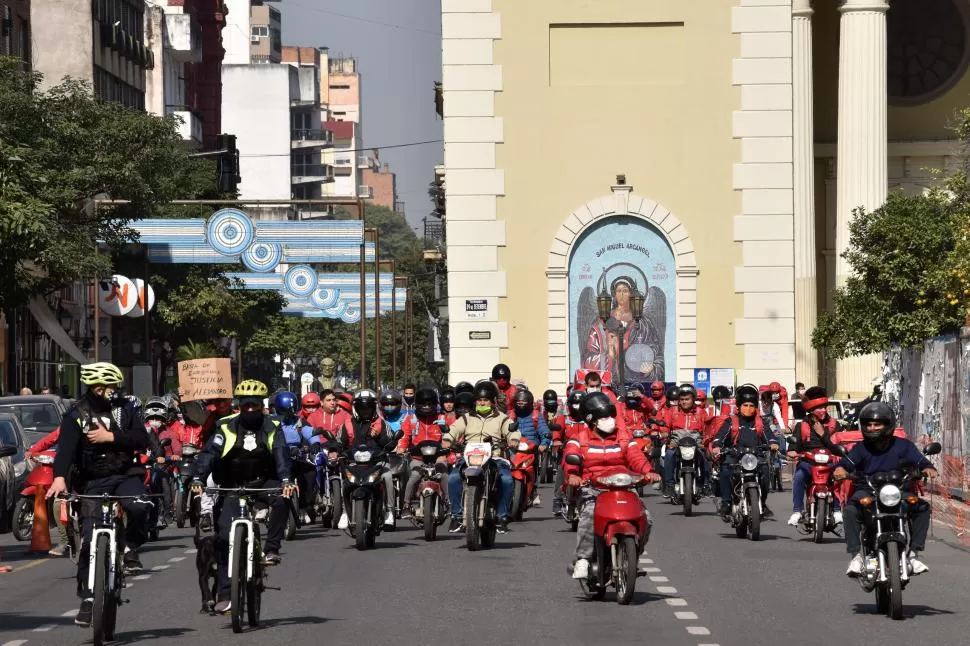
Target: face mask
390	411
593	389
606	425
155	423
775	397
483	410
409	400
108	394
251	418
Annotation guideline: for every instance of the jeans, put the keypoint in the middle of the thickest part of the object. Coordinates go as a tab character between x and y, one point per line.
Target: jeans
728	465
799	484
505	485
227	508
136	526
919	516
415	478
669	464
584	529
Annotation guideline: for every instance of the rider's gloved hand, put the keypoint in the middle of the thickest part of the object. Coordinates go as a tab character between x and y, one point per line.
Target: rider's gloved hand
288	489
197	486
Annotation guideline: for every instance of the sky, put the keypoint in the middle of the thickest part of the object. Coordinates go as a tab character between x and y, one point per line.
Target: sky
397	44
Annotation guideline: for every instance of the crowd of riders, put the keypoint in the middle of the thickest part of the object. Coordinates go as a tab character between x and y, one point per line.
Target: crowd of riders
110	443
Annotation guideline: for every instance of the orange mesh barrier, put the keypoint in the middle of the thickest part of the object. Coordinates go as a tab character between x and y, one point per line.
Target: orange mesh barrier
951	511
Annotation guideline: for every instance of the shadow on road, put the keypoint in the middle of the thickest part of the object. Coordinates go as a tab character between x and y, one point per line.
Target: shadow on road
294	621
500	545
382	545
14	622
909	611
130	637
764	537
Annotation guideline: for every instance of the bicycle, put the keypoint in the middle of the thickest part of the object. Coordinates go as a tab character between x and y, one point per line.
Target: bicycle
247	573
106	576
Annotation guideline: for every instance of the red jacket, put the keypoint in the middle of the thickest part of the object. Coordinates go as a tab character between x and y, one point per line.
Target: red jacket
332	423
557	436
604	455
572	428
635	420
45	443
694	420
448	418
416	431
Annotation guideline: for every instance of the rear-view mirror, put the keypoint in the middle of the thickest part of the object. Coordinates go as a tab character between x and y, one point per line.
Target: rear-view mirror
7	451
932	448
574	460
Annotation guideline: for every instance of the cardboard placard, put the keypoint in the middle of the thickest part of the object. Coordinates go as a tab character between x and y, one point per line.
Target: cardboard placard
205	379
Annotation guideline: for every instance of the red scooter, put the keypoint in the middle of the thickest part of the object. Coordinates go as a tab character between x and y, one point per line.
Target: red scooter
42	473
621	532
524	477
819	495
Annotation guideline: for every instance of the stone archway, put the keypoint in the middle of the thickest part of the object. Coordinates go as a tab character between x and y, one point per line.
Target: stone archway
622	201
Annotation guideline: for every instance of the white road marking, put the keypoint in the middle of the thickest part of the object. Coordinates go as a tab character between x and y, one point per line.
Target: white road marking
176	559
666	589
191	551
142	577
647	561
659	579
676	602
159	568
69	613
685	615
651	569
698	630
16	642
44	628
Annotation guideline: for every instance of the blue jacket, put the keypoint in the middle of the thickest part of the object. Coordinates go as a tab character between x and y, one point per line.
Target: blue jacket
292	431
540	435
395	424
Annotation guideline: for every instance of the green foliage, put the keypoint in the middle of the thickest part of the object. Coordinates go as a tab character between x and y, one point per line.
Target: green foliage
60	149
898	292
192	350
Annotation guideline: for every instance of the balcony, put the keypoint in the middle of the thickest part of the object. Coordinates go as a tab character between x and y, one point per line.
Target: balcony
183	37
366	192
311	173
363	161
190	128
434	239
304	138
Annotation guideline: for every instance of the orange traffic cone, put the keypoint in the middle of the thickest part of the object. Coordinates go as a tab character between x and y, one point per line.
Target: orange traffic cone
40	537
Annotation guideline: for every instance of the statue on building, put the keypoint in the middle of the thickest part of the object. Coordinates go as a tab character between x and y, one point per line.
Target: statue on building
328	373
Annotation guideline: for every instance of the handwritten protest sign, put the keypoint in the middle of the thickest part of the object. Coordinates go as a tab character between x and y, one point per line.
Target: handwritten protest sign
205	379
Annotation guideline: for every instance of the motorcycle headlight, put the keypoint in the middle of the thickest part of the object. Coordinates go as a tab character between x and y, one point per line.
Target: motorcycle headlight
687	453
749	462
822	458
20	469
44	459
617	480
890	495
639	434
429	450
362	456
374	477
350	477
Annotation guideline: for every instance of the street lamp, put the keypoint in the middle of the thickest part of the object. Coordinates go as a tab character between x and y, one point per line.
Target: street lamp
604	306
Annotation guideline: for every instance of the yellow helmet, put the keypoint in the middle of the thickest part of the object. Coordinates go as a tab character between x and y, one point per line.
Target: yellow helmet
101	374
251	388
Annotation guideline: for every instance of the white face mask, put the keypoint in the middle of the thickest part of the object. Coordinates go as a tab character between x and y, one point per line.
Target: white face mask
155	423
606	425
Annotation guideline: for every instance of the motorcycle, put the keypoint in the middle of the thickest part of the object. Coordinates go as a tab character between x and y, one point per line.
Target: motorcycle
399	471
431	511
523	476
158	478
481	495
42	474
885	534
571	512
303	462
775	465
329	484
819	496
686	471
621	530
746	508
363	492
550	459
186	503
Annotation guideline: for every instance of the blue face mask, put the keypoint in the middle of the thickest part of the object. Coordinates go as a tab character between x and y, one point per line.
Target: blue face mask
391	411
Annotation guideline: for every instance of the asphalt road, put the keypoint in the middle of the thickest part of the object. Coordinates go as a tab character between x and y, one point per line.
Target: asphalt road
705	587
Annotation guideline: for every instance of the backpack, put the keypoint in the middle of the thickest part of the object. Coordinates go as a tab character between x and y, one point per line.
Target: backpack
759	426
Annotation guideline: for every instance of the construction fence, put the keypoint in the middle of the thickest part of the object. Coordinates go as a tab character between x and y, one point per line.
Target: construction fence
929	387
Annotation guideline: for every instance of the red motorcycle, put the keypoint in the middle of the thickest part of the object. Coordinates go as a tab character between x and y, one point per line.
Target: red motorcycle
42	473
621	531
524	477
819	494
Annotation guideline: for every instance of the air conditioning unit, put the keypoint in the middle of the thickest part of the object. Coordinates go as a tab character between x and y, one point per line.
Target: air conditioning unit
254	39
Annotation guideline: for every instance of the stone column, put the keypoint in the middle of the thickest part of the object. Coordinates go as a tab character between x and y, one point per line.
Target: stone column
803	145
862	146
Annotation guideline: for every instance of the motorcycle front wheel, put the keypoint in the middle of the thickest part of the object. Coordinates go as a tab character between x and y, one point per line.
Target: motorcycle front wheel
337	500
821	518
518	500
687	493
430	520
179	506
895	592
23	519
625	569
754	513
361	527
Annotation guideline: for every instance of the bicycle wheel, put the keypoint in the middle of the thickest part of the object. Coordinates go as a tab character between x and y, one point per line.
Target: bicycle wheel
254	588
102	598
237	591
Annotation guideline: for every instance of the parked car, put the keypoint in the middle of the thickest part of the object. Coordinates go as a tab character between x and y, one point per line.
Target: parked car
13	469
40	413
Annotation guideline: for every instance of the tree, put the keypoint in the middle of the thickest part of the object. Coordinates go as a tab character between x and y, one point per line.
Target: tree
62	148
192	350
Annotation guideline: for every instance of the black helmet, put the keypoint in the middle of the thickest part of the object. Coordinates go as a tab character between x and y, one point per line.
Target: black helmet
550	401
524	402
501	371
365	405
391	402
464	403
425	402
877	412
685	390
672	395
597	406
486	390
720	392
746	394
447	395
464	387
633	399
575	404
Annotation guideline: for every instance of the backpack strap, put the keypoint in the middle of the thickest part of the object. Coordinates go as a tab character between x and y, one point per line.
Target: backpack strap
759	427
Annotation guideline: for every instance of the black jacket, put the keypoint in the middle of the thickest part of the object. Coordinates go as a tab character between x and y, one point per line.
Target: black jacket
99	460
364	440
228	466
747	438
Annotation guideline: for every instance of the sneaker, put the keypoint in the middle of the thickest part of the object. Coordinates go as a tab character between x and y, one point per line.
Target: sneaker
456	526
222	607
83	616
271	558
837	517
389	518
794	518
58	550
725	512
536	502
205	523
132	561
916	566
855	566
581	569
766	511
262	514
502	527
406	512
557	506
344	521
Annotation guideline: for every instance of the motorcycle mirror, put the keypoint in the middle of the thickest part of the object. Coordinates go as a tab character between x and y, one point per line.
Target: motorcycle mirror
932	448
7	451
574	460
789	439
513	427
167	442
555	427
839	450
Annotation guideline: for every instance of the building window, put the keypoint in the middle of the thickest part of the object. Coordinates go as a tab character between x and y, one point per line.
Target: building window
262	31
276	41
339	87
23	49
928	49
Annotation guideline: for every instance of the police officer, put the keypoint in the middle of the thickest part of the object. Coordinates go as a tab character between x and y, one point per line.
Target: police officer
100	437
246	450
